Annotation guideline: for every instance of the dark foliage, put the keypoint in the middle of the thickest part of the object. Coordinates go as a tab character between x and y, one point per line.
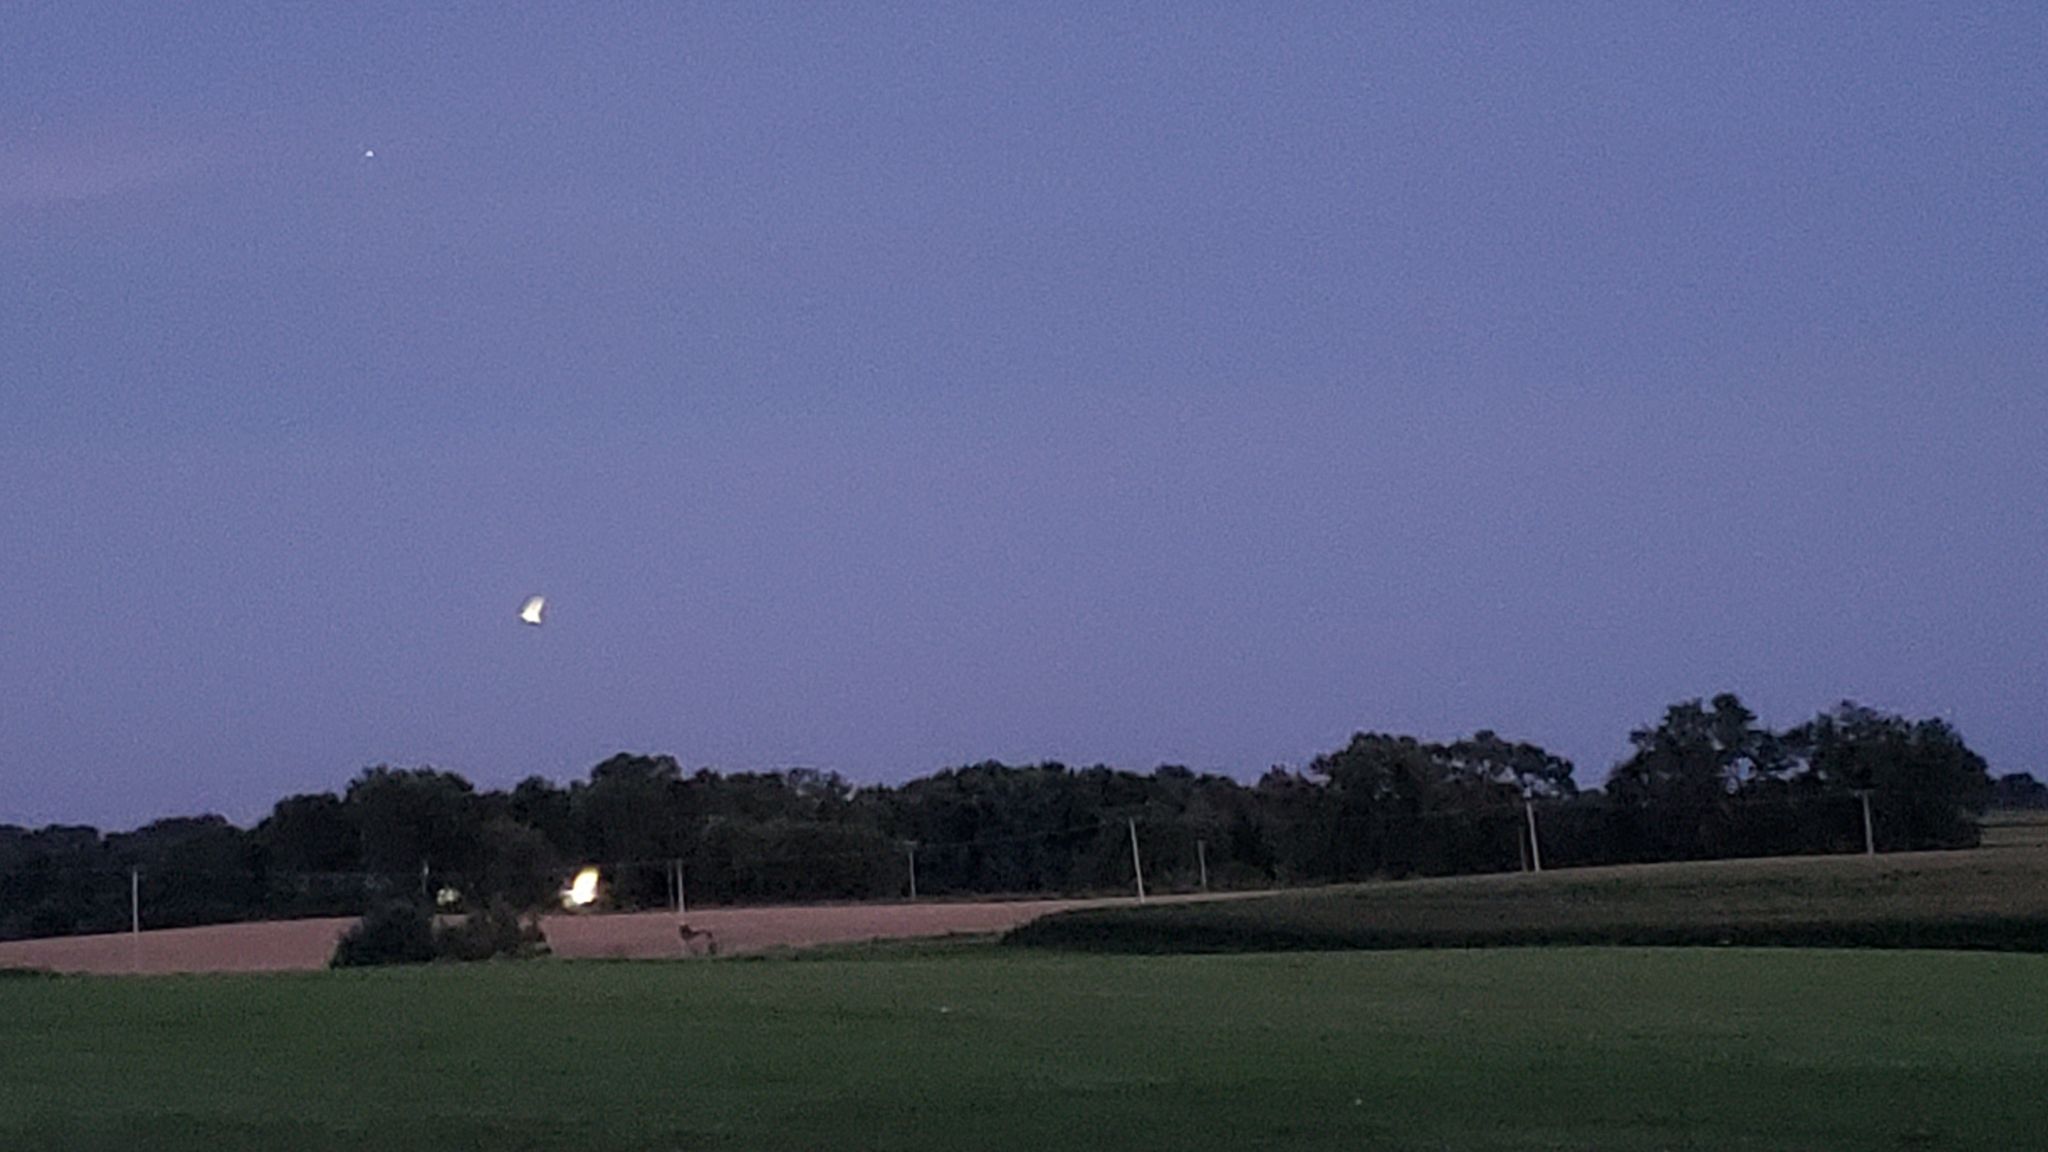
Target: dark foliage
2018	790
493	932
1706	781
394	932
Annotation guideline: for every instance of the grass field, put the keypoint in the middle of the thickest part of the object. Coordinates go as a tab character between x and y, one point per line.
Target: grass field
1994	898
2009	829
985	1048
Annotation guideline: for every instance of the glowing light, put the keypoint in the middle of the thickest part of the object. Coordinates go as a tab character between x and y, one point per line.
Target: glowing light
531	613
582	890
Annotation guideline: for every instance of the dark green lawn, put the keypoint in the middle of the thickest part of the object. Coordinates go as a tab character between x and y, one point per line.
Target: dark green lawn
991	1048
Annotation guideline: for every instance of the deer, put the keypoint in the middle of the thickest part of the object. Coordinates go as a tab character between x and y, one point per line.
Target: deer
690	935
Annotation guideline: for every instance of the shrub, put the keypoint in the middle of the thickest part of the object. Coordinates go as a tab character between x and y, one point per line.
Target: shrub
395	932
491	931
404	932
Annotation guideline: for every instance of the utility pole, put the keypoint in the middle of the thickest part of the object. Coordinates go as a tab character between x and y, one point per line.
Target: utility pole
1137	865
1869	830
1535	847
1202	861
135	901
910	853
682	902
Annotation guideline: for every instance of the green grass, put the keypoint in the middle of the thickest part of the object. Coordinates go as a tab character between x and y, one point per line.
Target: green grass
2009	829
1988	898
999	1049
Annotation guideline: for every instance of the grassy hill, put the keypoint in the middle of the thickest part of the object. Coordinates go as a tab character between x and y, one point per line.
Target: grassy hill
1989	898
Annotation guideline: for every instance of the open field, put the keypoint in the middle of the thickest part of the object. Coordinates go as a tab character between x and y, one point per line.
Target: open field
1987	898
300	944
2009	829
987	1048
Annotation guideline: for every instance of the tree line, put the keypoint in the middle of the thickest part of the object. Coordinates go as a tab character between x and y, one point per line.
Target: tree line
1705	781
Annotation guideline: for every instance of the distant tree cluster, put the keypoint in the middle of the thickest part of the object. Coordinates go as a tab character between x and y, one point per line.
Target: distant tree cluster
1705	781
2018	790
1709	781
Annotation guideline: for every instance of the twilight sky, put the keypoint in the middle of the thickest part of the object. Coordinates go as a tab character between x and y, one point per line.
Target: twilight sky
880	388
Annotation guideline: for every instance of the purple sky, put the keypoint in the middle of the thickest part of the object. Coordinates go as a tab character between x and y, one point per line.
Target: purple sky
883	388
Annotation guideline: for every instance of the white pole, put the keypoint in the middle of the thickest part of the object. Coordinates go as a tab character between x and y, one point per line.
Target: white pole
1535	846
1202	861
1137	865
910	852
682	901
135	901
1869	832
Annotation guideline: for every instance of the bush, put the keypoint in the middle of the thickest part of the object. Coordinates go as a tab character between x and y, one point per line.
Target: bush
404	932
492	931
395	932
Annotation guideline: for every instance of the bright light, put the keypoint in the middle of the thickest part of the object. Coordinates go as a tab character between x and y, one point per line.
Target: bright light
531	613
582	890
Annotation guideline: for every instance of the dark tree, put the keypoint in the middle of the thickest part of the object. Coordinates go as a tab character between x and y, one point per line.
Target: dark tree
415	819
1927	787
2018	790
1706	780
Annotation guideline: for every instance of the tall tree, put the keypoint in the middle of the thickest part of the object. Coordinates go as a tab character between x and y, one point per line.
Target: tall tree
415	818
1699	754
1679	786
1486	759
1926	785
